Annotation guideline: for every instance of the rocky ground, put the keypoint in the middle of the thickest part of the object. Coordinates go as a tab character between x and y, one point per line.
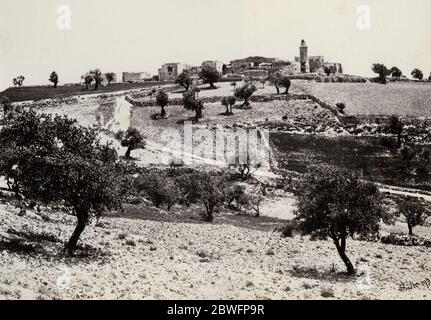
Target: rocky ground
131	258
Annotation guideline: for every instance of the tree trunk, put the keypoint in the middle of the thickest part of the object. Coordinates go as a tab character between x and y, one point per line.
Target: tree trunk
287	90
163	112
278	89
127	155
55	84
96	85
209	210
82	216
410	229
227	109
341	248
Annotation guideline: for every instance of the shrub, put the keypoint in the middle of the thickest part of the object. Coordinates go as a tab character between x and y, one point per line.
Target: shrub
289	228
388	142
130	242
395	126
6	104
160	189
405	240
236	193
341	107
211	193
188	186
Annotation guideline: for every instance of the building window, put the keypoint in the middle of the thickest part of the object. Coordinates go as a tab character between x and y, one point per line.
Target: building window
170	69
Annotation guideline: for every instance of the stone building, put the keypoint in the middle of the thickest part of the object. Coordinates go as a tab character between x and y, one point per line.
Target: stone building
136	76
314	64
170	71
303	57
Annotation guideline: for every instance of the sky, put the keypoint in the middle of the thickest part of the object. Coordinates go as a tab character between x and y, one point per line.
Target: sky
140	35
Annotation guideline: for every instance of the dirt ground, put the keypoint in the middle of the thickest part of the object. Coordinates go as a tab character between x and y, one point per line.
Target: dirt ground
132	258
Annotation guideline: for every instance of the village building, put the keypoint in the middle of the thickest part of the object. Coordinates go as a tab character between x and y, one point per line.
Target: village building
136	76
170	71
314	64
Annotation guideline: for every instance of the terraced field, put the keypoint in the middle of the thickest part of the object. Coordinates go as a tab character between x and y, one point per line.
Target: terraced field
401	98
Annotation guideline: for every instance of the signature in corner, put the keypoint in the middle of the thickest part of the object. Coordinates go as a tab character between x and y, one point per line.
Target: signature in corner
410	285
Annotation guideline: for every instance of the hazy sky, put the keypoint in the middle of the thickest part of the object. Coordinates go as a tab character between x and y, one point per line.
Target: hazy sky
140	35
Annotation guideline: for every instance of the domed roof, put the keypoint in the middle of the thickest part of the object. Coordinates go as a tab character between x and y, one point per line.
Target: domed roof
303	44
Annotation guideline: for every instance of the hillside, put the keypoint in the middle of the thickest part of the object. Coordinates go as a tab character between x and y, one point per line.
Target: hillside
147	259
400	98
17	94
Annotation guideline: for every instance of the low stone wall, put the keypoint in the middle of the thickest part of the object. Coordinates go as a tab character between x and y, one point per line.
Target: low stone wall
256	98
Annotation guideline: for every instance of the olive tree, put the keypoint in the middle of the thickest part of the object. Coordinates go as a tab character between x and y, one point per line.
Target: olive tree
414	212
97	77
132	139
110	77
245	92
382	71
190	102
396	72
417	74
162	100
54	159
18	81
336	203
88	79
209	75
184	79
54	78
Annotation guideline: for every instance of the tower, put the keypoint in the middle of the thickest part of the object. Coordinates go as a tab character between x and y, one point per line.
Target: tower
303	54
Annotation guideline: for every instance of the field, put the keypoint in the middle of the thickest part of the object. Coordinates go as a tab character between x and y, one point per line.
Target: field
160	255
150	253
400	98
16	94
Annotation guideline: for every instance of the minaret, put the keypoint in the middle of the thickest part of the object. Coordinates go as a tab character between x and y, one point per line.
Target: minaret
303	53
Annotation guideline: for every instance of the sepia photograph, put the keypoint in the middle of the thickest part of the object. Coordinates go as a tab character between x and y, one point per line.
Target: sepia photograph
235	151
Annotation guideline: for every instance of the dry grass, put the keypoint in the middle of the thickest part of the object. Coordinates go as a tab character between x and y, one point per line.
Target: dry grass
401	98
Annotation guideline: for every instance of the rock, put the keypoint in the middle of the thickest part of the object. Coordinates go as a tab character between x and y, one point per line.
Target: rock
270	252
